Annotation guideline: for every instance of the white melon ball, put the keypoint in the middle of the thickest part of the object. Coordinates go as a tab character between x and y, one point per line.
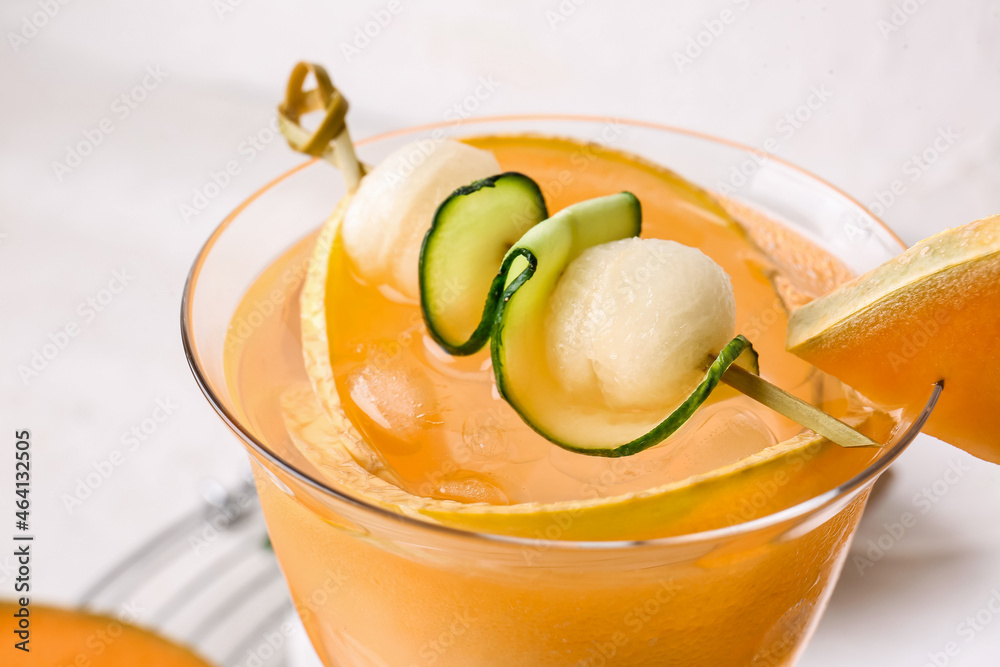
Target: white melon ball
385	223
633	322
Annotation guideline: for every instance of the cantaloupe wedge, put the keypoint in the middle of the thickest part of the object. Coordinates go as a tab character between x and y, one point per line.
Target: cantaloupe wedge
60	637
932	314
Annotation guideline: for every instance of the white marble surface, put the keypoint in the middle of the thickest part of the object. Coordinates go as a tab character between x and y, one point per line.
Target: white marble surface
889	90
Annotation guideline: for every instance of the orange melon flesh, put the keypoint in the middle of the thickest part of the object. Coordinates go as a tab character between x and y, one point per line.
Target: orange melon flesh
931	314
64	637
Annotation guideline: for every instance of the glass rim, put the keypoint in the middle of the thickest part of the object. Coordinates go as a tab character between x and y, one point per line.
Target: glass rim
803	509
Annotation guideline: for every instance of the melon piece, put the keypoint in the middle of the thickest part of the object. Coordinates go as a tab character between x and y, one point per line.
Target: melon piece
932	314
635	319
389	215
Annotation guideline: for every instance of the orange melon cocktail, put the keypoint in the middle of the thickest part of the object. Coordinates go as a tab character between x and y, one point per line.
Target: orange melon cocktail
423	501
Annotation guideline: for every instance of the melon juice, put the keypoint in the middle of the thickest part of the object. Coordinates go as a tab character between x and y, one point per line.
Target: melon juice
437	429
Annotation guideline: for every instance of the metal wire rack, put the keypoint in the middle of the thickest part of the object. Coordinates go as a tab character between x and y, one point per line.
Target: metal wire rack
210	581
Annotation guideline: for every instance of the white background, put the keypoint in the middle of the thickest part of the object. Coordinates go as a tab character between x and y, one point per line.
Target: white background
891	89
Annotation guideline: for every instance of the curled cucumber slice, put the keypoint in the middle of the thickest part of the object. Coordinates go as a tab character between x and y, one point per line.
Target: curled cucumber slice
462	252
500	223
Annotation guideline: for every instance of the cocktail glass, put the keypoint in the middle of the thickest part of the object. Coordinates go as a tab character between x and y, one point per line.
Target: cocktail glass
374	587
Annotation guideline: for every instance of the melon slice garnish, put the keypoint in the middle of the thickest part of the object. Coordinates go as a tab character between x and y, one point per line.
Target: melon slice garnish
931	314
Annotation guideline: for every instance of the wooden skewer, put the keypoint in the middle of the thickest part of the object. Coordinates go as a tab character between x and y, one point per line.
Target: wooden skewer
331	140
794	408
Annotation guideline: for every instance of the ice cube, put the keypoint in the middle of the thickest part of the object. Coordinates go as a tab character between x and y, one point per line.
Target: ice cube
496	434
722	434
395	394
470	487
